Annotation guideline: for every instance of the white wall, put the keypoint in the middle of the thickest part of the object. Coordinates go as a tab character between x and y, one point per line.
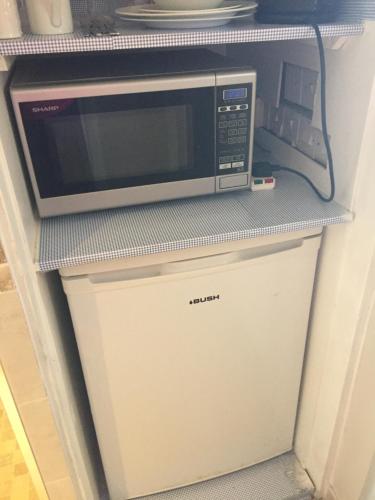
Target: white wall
49	331
353	446
341	290
356	445
347	250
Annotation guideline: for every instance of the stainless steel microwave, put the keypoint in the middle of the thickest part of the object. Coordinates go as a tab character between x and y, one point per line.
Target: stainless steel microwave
98	134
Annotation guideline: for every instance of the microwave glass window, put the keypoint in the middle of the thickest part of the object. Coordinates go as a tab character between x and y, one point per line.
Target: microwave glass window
115	143
111	142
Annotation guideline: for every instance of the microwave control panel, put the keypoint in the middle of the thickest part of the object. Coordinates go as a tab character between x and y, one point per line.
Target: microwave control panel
233	124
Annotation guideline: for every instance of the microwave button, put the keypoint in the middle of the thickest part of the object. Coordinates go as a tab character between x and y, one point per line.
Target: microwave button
233	181
223	109
242	131
242	115
232	131
243	106
233	108
225	166
238	164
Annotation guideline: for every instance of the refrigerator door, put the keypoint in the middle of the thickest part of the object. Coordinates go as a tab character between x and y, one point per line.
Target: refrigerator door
193	368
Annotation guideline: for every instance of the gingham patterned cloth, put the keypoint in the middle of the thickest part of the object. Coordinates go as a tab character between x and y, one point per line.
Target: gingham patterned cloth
72	240
135	38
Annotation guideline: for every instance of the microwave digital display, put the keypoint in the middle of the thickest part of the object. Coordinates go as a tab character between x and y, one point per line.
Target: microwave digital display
230	94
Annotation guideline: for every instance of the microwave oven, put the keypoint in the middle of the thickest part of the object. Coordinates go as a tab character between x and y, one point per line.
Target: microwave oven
107	131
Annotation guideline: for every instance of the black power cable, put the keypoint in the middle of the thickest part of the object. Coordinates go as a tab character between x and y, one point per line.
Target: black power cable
323	105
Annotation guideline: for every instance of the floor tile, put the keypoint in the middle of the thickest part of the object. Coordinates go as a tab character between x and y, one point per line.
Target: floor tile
15	480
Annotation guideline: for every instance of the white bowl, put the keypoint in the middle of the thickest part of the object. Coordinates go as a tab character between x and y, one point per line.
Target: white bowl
188	4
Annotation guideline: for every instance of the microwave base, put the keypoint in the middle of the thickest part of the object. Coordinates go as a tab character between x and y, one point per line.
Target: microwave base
114	198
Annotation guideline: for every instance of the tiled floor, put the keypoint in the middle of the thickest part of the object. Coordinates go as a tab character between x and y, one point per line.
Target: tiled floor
15	480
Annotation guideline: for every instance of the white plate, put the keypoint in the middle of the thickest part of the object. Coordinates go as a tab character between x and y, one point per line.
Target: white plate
138	12
188	23
187	4
228	5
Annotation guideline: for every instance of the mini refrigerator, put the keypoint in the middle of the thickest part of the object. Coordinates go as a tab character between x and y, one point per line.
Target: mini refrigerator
193	367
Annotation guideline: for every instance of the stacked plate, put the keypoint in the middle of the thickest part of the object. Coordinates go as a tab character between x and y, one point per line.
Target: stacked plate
184	14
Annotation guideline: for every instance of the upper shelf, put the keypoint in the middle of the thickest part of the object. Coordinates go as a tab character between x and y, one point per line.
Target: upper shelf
134	38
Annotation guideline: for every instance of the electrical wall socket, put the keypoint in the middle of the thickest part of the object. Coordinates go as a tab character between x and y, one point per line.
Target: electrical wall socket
295	129
291	121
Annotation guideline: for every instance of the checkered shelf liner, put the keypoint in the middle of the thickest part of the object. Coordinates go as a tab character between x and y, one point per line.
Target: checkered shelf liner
281	478
135	38
72	240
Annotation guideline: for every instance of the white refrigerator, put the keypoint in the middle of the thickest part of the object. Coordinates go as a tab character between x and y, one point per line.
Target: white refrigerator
193	367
